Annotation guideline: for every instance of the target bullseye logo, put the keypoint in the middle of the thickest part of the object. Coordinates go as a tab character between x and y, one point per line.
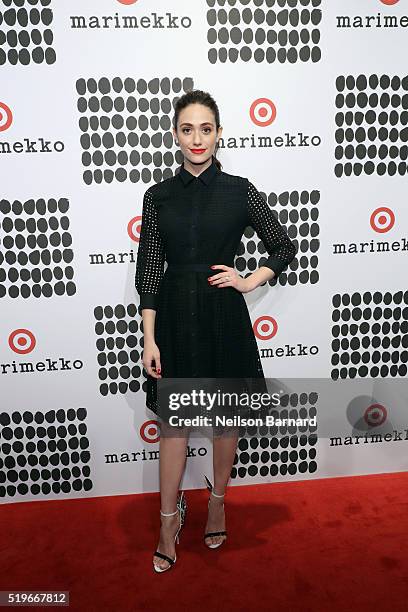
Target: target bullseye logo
6	117
375	415
150	431
262	112
134	228
382	219
389	2
22	341
265	327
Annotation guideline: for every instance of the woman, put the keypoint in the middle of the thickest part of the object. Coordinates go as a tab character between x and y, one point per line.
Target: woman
195	318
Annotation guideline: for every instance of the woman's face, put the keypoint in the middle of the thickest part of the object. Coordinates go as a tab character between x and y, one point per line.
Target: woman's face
196	133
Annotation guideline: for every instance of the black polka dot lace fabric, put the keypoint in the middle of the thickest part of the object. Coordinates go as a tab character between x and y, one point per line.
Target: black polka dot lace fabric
192	223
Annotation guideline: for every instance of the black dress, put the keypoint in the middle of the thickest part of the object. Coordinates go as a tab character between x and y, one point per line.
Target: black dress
193	223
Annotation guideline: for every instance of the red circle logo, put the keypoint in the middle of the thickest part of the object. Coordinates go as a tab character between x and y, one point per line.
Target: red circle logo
6	117
150	431
22	341
389	2
265	327
262	112
382	219
127	2
375	415
134	228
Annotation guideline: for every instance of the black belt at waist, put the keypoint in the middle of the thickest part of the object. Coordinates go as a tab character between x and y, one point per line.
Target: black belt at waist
192	267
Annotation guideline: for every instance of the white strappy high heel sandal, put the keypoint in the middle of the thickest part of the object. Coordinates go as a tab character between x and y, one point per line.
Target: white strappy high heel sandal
181	509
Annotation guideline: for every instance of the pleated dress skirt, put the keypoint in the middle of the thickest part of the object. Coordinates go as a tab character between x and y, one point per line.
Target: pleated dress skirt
203	331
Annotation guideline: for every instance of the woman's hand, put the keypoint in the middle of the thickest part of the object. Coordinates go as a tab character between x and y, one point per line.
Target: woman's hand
151	353
229	277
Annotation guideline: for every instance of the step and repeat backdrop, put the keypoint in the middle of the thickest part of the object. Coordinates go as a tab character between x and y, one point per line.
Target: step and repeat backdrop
313	96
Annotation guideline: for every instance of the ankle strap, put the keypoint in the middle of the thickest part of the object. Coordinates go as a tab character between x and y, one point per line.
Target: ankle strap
215	494
168	513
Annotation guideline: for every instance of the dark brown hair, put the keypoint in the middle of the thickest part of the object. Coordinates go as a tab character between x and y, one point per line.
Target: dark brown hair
197	96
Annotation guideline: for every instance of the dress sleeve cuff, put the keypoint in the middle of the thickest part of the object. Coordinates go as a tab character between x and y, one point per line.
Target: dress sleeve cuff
148	300
277	265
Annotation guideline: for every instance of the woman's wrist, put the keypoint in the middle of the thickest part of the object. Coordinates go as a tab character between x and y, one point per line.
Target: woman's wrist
250	284
260	276
148	338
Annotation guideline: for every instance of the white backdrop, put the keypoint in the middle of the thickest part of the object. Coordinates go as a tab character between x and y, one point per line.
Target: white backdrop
70	220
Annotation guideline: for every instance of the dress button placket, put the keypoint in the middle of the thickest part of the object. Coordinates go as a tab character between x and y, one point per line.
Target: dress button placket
193	278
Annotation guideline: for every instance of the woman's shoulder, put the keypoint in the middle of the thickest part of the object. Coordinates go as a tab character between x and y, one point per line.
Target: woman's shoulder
161	187
232	179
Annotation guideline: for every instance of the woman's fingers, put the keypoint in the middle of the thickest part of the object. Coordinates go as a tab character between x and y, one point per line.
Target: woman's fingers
148	364
152	371
148	368
222	277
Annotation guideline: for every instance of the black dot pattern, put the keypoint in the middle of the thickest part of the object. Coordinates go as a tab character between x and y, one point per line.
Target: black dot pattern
126	131
151	254
35	249
44	453
298	212
370	335
25	32
264	31
280	450
371	125
119	344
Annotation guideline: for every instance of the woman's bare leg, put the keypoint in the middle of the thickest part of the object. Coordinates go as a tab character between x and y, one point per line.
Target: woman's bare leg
172	462
224	449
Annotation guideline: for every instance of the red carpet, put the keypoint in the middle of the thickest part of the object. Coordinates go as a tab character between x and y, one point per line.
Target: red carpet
319	545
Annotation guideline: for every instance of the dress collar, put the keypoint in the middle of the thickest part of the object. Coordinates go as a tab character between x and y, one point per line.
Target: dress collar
206	176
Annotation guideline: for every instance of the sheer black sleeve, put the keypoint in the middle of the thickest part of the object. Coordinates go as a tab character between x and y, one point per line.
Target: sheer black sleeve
280	248
150	256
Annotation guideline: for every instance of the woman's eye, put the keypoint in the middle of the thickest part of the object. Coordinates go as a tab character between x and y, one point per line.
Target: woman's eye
207	130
